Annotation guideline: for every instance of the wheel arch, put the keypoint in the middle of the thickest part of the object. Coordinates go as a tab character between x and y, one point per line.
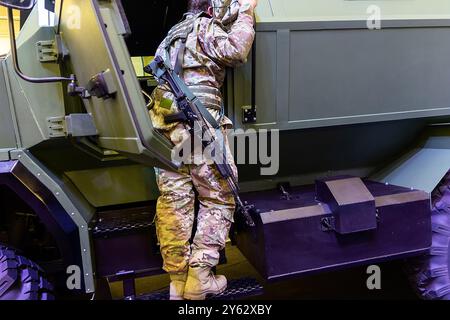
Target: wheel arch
422	167
49	201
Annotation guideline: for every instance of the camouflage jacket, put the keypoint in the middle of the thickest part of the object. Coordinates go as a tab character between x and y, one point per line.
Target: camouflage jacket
210	49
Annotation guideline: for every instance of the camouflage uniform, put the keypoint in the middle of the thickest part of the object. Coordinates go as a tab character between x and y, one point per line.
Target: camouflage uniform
210	48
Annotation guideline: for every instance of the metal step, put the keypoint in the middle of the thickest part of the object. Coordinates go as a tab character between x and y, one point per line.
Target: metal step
114	222
237	289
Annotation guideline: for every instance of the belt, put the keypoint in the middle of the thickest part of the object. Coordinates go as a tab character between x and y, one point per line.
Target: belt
211	97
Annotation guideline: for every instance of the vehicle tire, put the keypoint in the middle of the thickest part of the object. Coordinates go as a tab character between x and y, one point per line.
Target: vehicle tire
430	274
22	279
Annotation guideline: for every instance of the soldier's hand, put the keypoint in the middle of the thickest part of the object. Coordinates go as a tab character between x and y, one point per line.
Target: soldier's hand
253	3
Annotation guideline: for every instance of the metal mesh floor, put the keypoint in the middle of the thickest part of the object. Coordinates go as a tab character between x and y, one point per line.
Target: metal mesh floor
237	289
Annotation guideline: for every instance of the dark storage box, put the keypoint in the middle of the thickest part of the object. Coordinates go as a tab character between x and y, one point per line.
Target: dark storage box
300	235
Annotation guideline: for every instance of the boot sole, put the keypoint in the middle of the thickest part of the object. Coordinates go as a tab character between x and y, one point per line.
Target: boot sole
203	295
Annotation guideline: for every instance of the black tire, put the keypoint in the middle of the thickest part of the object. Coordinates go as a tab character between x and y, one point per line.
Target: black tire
22	279
430	274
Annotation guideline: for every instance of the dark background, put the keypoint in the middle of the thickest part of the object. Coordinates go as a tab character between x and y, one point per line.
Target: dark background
149	21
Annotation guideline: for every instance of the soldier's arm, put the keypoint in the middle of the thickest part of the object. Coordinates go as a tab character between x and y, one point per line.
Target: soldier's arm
229	48
161	49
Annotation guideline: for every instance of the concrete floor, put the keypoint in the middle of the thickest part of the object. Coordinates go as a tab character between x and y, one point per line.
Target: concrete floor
345	284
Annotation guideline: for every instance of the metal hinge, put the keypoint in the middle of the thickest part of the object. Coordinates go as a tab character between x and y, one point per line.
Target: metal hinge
51	50
73	125
47	51
56	127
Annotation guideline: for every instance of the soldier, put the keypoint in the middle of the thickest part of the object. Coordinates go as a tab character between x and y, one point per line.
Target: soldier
214	34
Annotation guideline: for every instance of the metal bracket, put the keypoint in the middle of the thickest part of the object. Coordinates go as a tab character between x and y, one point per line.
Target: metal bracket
248	114
284	188
56	127
327	224
47	51
51	50
73	125
102	85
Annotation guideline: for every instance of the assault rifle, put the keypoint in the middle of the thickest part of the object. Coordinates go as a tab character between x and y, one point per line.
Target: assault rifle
193	112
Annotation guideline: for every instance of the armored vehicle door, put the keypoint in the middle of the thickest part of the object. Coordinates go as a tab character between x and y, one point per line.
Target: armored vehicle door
93	32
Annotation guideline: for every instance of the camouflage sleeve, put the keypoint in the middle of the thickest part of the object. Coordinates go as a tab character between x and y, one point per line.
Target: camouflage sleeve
228	48
161	49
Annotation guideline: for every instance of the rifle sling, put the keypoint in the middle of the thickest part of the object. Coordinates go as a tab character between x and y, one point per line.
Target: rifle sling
191	97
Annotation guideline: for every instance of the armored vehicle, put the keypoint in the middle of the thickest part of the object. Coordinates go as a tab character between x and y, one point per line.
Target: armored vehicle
352	98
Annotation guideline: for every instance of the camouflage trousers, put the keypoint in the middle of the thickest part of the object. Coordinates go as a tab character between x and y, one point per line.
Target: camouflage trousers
175	213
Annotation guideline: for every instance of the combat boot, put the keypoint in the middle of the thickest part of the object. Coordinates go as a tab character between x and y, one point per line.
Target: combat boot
177	284
201	282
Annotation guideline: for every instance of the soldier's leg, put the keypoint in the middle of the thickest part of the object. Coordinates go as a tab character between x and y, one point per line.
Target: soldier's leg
175	218
214	219
215	215
216	211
